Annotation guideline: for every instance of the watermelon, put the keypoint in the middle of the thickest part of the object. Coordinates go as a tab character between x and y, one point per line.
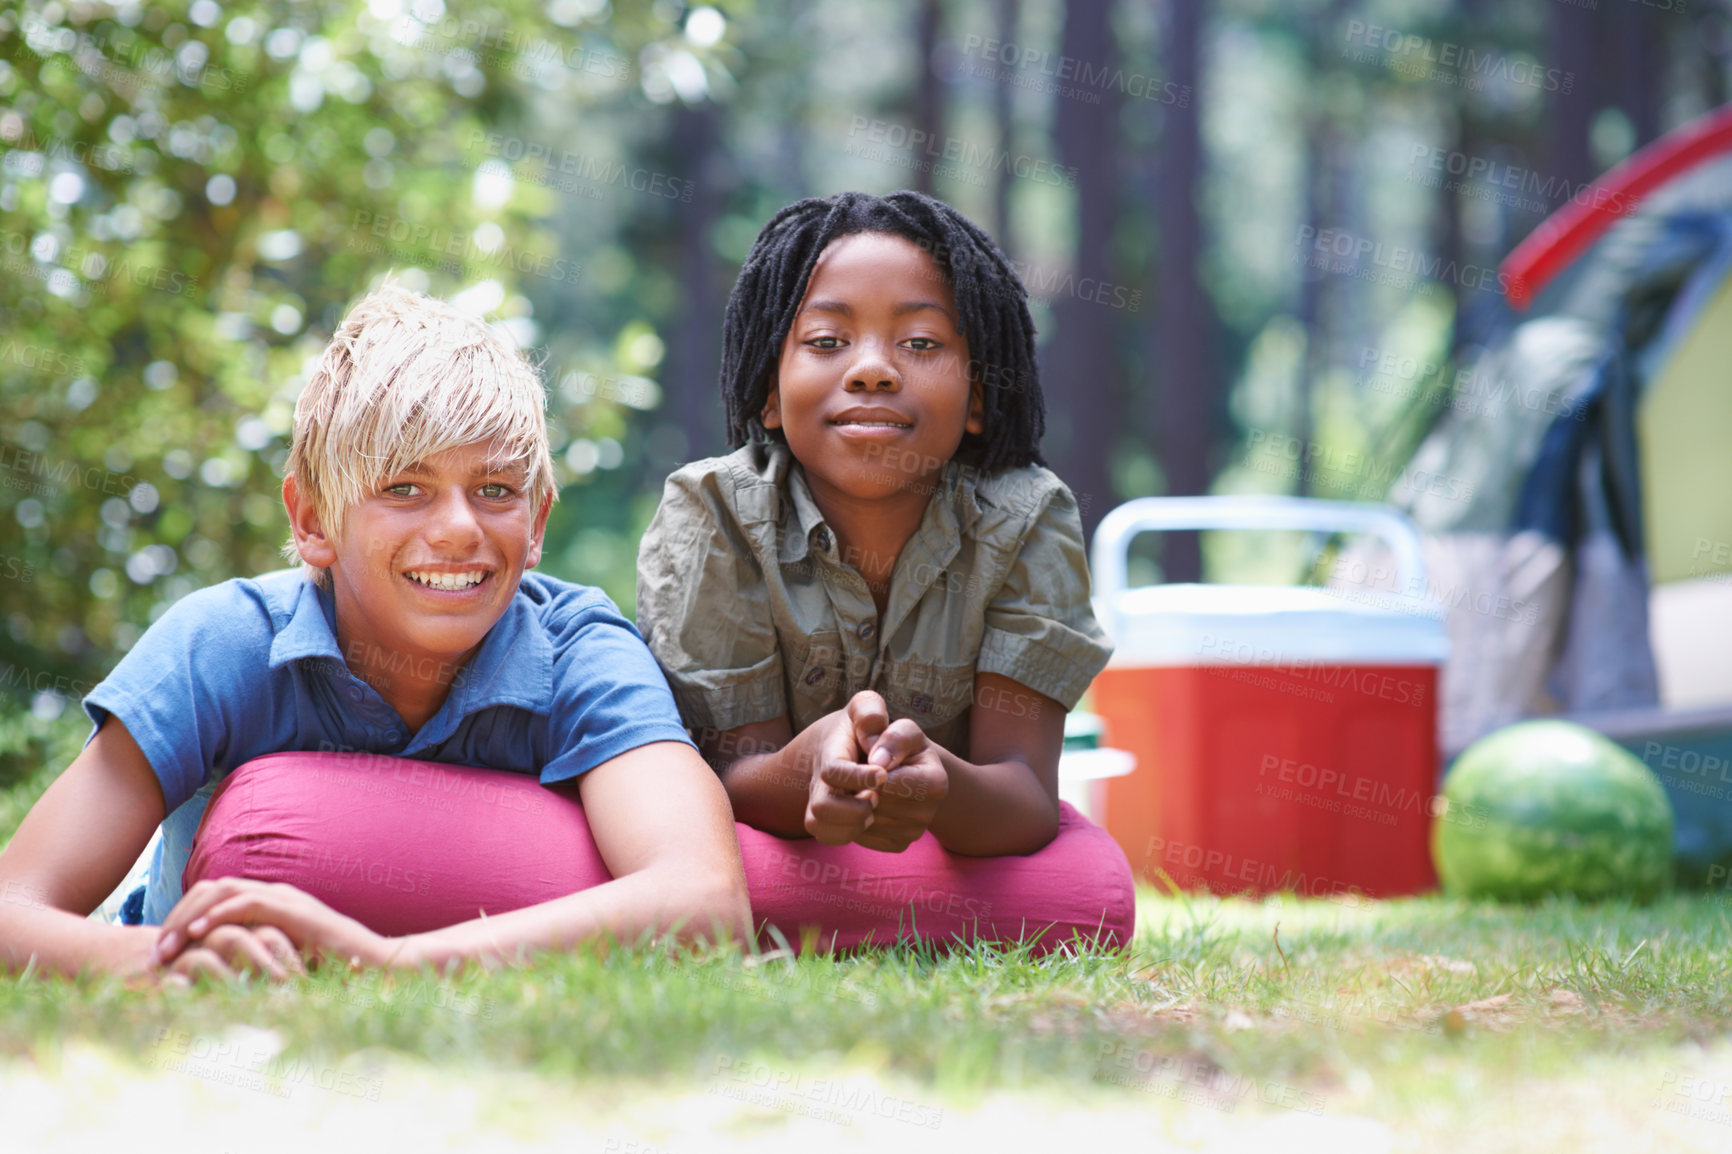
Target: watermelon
1550	807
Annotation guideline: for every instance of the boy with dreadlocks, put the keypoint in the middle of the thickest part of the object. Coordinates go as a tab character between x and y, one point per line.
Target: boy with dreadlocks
875	613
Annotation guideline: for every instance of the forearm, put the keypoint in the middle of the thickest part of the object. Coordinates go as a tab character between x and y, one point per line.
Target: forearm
64	943
769	791
678	899
999	808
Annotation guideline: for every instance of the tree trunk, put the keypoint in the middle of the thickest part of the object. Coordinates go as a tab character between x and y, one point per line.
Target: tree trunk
1570	115
1006	15
1184	320
692	398
928	96
1081	376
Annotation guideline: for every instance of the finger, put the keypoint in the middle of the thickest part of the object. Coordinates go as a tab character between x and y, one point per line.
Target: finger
900	740
903	833
869	716
250	908
281	948
913	784
851	777
201	962
883	844
836	820
174	935
244	953
840	810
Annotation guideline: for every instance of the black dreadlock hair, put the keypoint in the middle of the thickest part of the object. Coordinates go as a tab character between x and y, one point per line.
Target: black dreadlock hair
990	300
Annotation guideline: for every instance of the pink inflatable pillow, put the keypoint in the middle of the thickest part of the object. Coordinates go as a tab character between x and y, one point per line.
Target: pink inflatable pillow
405	846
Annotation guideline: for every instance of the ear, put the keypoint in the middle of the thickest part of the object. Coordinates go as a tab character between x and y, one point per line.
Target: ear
315	545
976	422
538	534
772	414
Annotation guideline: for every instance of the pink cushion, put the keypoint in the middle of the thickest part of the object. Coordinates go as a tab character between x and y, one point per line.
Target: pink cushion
405	846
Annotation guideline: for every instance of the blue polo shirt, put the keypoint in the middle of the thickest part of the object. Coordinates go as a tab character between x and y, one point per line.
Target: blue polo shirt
560	684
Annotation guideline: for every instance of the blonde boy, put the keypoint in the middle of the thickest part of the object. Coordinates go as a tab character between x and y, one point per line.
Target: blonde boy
419	484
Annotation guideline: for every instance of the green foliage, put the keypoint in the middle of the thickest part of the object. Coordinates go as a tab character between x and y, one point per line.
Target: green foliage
192	196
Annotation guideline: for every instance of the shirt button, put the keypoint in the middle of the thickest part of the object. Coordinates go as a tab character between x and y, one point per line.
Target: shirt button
355	693
814	677
866	630
396	735
823	540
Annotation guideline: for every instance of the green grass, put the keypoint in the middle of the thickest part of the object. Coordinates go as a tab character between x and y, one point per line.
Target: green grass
1434	1016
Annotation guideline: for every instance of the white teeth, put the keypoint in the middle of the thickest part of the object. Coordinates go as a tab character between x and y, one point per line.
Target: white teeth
877	424
447	580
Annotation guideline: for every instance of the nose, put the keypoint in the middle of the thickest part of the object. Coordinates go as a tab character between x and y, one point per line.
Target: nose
873	372
451	521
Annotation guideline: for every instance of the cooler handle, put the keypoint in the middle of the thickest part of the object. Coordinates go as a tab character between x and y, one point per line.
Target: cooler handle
1162	514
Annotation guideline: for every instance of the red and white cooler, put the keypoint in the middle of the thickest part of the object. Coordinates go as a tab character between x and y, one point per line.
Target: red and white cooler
1285	737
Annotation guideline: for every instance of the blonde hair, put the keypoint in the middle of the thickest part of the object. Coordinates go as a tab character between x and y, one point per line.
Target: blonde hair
405	378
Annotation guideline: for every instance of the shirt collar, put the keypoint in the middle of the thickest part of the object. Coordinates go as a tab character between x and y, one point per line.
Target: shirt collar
807	516
311	630
946	519
513	666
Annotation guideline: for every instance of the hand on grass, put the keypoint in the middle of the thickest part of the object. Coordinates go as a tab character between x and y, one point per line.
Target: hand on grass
229	951
230	920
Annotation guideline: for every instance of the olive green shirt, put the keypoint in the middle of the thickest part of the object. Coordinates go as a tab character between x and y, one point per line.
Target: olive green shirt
753	613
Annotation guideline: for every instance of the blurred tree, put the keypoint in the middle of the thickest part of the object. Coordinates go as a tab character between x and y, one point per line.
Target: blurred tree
191	195
1085	382
1185	374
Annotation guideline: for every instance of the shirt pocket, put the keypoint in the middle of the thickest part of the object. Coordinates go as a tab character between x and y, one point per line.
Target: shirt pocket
931	693
819	684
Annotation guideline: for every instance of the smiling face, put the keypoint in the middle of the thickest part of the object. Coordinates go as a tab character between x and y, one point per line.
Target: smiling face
872	389
427	562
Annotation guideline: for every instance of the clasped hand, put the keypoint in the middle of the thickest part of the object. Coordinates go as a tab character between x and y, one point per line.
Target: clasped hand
877	782
233	925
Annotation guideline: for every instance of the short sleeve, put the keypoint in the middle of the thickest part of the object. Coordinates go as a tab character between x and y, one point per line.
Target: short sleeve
192	686
1040	628
608	696
704	608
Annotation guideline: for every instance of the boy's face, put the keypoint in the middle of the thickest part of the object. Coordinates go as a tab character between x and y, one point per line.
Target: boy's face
430	559
872	389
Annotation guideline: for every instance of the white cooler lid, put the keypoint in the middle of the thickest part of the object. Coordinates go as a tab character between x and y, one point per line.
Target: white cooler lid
1272	625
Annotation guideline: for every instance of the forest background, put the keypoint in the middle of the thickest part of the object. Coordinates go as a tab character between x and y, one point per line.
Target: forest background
1257	237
